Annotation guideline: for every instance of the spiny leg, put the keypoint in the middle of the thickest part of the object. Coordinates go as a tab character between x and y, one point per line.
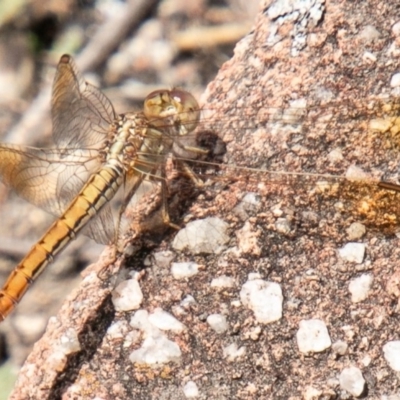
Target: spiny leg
189	173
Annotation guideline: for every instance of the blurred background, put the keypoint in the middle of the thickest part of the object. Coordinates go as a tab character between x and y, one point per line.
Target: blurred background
128	48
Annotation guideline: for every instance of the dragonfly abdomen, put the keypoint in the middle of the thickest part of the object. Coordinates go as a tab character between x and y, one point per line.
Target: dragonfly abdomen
100	189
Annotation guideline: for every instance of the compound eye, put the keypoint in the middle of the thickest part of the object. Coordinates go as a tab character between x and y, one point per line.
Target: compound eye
177	105
154	104
189	113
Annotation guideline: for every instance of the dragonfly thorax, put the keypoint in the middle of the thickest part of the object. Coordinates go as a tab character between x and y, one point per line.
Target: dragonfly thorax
128	135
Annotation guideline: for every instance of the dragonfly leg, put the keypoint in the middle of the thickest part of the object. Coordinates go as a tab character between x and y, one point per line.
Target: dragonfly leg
195	150
188	172
191	174
164	206
165	215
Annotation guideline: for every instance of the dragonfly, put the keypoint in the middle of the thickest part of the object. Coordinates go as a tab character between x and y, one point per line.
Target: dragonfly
98	153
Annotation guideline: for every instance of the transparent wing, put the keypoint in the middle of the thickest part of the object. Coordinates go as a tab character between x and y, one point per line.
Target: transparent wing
102	227
81	113
51	178
46	177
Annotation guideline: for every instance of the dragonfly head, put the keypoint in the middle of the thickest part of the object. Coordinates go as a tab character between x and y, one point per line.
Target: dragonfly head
172	108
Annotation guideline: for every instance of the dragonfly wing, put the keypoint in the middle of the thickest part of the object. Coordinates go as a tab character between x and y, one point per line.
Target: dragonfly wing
51	179
101	228
81	113
47	178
